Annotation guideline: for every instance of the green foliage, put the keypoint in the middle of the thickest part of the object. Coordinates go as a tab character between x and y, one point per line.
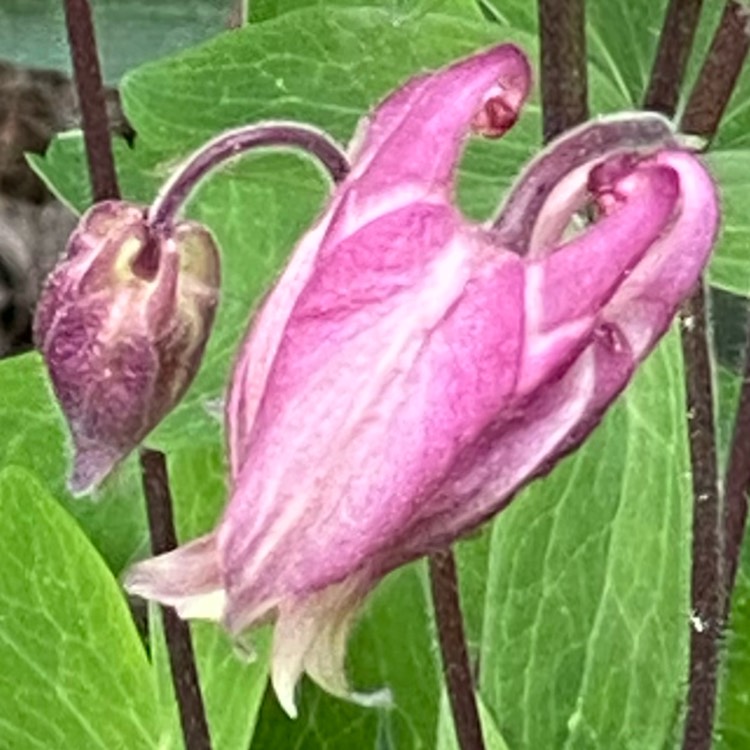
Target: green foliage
732	729
73	672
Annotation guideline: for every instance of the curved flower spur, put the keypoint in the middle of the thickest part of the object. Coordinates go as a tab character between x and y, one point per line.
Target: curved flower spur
411	370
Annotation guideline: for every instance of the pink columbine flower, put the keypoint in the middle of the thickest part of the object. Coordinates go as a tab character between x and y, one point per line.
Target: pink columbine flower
122	323
412	370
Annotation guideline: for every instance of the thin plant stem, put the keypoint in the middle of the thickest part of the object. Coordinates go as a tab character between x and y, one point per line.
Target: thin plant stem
564	82
707	579
176	630
710	582
675	43
705	107
719	73
456	667
91	100
234	143
104	185
585	144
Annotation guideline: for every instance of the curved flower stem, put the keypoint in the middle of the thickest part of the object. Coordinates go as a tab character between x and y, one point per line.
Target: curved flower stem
564	82
456	667
718	527
675	43
82	41
233	143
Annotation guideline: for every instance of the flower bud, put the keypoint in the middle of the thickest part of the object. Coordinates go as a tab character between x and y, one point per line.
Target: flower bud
122	324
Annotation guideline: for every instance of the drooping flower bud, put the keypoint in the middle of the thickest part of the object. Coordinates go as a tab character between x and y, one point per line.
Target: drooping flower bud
122	324
411	370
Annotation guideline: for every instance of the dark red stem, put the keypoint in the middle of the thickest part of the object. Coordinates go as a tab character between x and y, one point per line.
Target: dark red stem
235	143
564	82
709	99
719	73
717	521
707	584
176	630
91	99
456	667
675	43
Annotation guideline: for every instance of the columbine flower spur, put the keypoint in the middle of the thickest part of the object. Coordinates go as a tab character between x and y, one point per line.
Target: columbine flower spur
411	370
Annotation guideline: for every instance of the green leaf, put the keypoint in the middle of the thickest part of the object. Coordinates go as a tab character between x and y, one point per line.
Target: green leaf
730	266
732	730
73	673
447	740
34	437
727	386
264	10
472	560
586	618
232	687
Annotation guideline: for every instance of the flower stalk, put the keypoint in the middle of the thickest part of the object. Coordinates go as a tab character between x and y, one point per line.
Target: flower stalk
720	72
459	680
233	143
89	86
719	522
673	52
564	79
176	631
713	514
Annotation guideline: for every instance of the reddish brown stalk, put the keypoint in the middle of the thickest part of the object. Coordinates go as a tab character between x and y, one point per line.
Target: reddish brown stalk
717	522
709	99
707	584
564	82
91	99
176	630
675	43
456	667
719	73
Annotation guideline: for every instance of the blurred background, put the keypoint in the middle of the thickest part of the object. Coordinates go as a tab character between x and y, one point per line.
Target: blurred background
37	100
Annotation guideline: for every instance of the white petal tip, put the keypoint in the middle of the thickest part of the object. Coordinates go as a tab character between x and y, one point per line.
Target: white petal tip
285	693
